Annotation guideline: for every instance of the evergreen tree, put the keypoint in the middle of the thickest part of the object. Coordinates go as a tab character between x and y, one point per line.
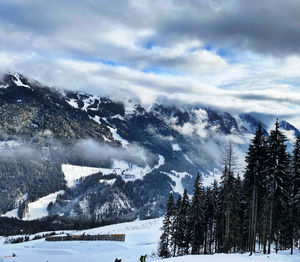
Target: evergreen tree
296	193
227	195
175	229
232	216
197	217
216	205
210	213
183	230
277	180
253	182
237	217
164	250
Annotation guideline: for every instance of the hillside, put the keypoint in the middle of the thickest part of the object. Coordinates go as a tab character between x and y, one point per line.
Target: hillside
90	158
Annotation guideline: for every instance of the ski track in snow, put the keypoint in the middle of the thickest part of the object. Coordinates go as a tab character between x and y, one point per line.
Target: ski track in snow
142	237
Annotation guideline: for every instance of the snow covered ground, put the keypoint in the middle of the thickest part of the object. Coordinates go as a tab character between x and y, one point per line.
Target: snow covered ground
73	173
141	238
236	258
177	178
36	209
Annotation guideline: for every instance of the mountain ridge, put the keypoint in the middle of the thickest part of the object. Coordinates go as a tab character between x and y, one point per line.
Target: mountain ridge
142	154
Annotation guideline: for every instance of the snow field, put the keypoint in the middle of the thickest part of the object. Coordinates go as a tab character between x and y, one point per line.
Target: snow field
142	237
177	178
73	173
235	258
36	209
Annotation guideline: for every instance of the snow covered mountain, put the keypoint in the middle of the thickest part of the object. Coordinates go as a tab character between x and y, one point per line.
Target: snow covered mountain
91	158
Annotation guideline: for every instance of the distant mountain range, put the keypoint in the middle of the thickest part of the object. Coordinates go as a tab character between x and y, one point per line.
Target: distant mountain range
87	157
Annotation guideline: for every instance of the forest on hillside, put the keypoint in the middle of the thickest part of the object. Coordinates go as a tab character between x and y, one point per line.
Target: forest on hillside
258	212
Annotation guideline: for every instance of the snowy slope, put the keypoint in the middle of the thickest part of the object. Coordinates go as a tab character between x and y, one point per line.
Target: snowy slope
235	258
36	209
177	178
128	171
73	173
142	237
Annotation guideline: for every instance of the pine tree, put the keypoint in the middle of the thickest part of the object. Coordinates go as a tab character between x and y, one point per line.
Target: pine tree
197	217
183	230
237	217
229	159
175	229
253	182
164	250
210	217
277	179
296	193
217	220
227	198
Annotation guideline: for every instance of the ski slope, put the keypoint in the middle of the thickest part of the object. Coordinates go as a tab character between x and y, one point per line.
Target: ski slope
141	238
36	209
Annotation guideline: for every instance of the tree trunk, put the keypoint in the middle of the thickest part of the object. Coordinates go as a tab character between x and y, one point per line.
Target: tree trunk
227	230
205	242
276	244
265	237
252	220
255	221
270	227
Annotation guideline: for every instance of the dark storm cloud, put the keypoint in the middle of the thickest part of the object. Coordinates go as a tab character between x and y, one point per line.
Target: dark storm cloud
268	26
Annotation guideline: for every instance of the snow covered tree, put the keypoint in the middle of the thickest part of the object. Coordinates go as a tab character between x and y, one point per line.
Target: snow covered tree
164	250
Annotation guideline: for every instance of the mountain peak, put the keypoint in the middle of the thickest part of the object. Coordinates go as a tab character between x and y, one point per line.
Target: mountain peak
283	124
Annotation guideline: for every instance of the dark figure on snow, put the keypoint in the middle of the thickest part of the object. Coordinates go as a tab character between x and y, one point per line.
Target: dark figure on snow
143	258
118	260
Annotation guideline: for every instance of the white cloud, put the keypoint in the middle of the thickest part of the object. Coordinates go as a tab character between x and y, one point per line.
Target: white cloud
154	49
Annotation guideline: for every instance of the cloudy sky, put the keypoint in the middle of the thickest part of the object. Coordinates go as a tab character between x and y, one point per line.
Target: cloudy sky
236	55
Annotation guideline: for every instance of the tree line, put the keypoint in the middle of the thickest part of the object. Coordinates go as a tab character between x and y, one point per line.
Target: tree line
259	212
